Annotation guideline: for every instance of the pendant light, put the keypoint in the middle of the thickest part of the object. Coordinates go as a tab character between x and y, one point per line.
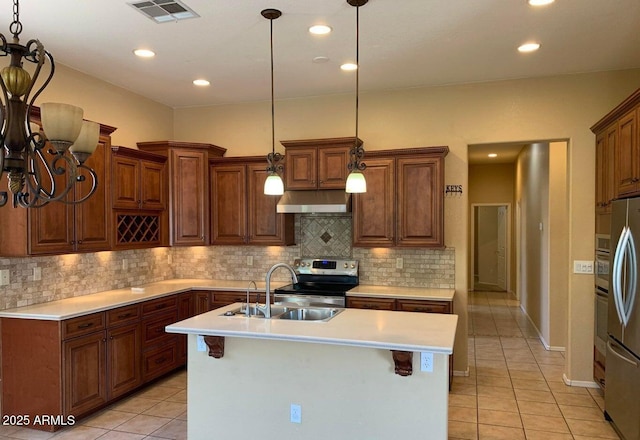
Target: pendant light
273	185
356	182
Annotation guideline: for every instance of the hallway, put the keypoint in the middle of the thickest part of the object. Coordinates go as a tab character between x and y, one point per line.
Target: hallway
514	389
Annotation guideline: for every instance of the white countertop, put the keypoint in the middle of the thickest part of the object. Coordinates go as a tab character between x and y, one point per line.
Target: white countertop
406	331
418	293
98	302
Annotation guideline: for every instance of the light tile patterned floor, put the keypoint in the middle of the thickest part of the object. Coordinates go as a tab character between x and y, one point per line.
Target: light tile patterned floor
157	412
515	389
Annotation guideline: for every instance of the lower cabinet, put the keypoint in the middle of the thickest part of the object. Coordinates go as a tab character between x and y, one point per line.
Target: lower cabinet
72	368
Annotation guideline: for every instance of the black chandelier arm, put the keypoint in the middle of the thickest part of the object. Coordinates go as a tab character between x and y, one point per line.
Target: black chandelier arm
43	55
40	195
82	178
273	161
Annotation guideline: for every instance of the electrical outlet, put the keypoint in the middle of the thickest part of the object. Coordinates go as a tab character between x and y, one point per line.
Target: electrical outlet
202	346
250	260
583	266
4	277
37	273
169	261
426	361
125	264
296	413
399	263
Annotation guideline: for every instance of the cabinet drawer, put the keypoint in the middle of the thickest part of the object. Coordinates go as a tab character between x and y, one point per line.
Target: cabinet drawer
123	315
153	328
83	325
160	360
371	303
423	306
157	305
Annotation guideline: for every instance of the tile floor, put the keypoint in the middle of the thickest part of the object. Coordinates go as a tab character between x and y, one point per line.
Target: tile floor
514	391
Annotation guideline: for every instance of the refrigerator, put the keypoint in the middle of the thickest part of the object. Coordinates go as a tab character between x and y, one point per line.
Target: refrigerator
622	374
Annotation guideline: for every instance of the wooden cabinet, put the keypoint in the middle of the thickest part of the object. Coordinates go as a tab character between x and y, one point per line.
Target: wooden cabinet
202	301
317	163
371	303
221	299
618	130
240	211
138	179
160	350
63	228
188	165
404	202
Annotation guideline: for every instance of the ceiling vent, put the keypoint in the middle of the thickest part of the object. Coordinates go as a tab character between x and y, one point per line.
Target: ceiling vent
163	11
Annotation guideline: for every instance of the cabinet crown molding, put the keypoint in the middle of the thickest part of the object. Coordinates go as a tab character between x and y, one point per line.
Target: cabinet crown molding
622	108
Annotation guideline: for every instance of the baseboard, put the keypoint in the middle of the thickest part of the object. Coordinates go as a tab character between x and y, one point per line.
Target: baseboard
542	340
464	373
579	383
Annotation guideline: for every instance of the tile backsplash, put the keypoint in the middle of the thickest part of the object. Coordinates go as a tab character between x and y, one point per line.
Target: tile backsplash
72	275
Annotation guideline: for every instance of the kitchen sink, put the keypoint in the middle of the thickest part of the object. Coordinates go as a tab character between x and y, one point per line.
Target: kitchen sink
310	314
287	313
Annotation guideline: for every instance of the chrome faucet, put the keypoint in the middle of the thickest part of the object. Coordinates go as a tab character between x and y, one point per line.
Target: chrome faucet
247	312
267	306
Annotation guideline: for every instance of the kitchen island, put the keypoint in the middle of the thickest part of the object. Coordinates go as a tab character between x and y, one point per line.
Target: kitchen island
357	375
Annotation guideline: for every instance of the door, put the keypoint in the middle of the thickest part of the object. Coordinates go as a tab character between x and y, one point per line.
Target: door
501	251
190	198
228	204
84	373
123	357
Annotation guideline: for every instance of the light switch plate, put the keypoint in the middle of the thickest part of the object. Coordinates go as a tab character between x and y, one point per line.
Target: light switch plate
582	266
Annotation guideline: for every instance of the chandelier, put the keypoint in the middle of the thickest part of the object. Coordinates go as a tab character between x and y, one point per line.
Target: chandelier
356	182
273	186
42	166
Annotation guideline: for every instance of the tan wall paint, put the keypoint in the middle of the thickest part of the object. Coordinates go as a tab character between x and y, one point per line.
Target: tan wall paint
344	393
135	117
562	107
495	184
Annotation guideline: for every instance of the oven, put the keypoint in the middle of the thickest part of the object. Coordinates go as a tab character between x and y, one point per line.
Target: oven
321	283
602	271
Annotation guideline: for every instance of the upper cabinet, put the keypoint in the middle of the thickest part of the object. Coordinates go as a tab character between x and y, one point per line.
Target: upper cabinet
240	211
62	228
404	202
618	153
317	163
188	165
139	198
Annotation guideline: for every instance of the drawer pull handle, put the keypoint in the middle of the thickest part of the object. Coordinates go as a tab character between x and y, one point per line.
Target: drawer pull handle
160	360
125	315
83	326
160	306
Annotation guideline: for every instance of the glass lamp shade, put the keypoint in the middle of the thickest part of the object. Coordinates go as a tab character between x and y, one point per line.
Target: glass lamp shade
356	183
273	186
61	122
87	140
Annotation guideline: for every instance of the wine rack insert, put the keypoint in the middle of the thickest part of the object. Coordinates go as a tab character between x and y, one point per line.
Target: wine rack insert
138	230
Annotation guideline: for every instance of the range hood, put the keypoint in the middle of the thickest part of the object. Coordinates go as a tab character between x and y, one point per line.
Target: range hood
322	201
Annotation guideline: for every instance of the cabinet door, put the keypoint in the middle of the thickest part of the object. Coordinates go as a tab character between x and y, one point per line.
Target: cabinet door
123	358
420	205
371	303
189	195
186	309
332	167
373	211
51	227
126	182
92	217
152	185
301	168
264	225
228	204
202	302
84	373
626	156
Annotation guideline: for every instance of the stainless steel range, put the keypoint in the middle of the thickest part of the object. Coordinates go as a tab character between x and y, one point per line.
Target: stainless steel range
321	282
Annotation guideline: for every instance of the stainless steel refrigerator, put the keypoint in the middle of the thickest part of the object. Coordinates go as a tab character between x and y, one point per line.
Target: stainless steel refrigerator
622	376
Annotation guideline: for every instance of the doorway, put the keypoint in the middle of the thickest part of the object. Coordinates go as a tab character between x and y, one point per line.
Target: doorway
490	250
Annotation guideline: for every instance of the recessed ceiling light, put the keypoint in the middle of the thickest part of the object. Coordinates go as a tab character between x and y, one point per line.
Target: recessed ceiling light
529	47
320	60
349	66
320	29
540	2
144	53
492	155
201	82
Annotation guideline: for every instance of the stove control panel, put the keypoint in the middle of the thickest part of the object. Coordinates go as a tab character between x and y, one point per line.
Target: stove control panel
321	266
